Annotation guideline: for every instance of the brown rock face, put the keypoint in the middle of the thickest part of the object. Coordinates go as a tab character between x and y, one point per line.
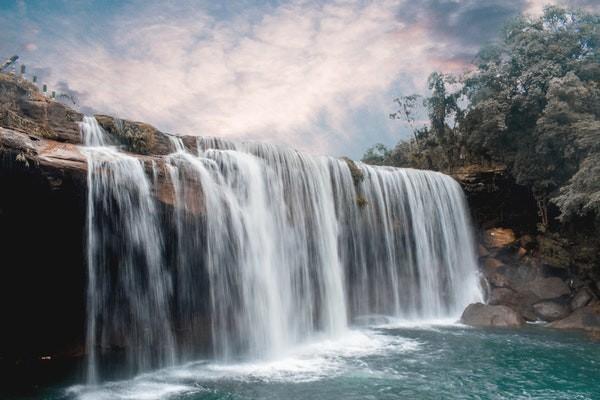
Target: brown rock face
137	137
499	237
483	315
24	109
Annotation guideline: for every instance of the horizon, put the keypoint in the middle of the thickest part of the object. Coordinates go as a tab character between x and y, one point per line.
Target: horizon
317	76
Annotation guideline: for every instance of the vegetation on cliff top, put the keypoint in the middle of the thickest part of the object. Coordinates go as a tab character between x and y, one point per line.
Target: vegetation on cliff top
532	104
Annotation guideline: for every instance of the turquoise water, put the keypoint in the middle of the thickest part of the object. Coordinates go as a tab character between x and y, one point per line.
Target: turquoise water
402	362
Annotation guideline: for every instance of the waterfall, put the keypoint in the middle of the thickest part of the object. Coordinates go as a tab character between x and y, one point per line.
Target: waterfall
259	248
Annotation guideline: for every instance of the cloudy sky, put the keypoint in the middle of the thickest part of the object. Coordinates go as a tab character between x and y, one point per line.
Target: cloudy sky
320	76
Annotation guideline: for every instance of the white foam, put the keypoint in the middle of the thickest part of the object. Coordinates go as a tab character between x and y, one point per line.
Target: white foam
312	361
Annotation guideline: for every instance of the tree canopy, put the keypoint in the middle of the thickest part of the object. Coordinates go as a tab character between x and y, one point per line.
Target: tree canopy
532	103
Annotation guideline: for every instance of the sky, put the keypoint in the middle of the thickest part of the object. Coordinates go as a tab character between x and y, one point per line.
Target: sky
319	76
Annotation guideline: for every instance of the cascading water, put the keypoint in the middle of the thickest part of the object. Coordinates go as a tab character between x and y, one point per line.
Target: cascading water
262	248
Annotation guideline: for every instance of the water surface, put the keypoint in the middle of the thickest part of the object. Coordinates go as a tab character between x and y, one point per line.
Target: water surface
394	362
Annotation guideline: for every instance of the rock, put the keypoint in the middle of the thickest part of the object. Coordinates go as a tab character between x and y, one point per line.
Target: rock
23	108
481	315
550	310
519	301
549	288
499	296
581	298
527	242
499	237
483	252
497	279
138	137
585	318
492	263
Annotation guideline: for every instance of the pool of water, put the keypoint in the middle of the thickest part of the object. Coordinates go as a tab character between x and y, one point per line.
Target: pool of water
399	361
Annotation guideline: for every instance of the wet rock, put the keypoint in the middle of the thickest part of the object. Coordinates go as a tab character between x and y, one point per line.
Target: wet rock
482	315
550	310
585	318
581	298
549	288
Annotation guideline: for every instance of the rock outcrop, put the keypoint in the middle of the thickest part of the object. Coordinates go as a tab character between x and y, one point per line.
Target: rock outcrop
586	318
485	315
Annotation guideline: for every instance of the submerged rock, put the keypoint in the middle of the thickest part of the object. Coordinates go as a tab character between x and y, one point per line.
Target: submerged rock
480	315
550	310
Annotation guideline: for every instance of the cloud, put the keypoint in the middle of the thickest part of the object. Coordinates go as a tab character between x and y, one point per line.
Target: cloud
294	75
317	76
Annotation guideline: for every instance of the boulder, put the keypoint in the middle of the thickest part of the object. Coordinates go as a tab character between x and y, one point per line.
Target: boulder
481	315
549	288
519	301
585	318
581	298
483	252
499	296
499	237
550	310
492	263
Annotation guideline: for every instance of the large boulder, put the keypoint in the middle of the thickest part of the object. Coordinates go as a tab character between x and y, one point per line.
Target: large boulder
581	298
522	302
549	288
482	315
586	318
550	310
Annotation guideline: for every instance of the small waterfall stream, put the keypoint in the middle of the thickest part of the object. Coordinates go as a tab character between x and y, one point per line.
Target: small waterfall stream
262	248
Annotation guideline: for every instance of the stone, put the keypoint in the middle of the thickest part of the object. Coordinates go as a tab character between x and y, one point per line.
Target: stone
581	298
501	296
585	318
492	263
483	252
23	108
550	310
485	315
137	137
499	237
549	288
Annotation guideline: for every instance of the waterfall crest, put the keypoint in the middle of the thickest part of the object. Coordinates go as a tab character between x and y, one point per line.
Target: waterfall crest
262	248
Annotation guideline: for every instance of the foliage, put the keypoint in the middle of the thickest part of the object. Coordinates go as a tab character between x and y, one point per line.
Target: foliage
532	103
